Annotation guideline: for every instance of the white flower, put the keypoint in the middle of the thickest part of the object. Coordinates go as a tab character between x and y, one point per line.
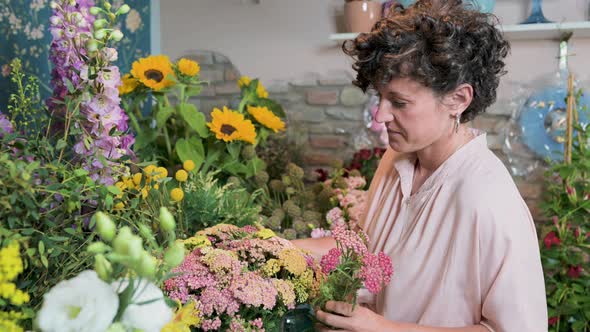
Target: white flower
84	303
133	20
150	317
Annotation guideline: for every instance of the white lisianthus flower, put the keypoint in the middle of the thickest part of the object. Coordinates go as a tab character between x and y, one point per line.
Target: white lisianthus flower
83	304
150	317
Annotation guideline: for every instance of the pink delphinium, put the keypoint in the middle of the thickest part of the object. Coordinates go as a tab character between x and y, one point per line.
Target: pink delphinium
5	125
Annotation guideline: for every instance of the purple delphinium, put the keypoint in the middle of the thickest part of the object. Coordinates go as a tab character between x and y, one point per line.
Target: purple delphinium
76	71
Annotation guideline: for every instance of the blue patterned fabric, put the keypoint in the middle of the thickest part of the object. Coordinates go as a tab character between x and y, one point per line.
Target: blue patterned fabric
24	34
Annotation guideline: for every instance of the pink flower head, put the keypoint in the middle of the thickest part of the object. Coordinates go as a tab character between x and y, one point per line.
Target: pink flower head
376	272
330	261
574	271
334	216
317	233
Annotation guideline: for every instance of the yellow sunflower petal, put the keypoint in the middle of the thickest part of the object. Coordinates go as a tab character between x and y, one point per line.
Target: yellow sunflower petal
267	118
244	81
261	91
129	84
230	126
153	72
188	67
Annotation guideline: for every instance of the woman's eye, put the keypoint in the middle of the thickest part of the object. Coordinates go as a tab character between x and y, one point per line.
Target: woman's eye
398	104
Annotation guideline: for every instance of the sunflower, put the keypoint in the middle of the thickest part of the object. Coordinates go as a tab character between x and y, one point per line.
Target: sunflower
129	84
153	71
266	118
230	125
188	67
244	81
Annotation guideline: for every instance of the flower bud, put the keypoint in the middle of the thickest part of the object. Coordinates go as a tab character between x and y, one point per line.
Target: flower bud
174	255
72	2
100	34
167	222
55	20
146	266
97	248
100	23
145	232
95	10
571	194
135	247
105	226
117	35
123	10
53	5
107	5
121	241
91	45
102	267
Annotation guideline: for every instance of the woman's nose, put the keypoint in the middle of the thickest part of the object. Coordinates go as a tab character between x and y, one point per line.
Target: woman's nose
383	114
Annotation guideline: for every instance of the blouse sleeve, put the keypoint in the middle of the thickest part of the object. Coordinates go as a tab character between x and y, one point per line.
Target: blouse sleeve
511	275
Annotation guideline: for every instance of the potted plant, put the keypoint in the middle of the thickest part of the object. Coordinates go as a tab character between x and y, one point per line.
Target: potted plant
361	15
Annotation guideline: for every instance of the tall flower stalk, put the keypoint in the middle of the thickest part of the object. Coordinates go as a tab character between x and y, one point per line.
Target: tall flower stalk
85	101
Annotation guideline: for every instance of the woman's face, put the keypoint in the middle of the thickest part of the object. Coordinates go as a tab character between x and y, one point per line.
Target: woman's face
415	118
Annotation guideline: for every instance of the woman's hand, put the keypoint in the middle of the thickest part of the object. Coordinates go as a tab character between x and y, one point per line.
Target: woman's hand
344	318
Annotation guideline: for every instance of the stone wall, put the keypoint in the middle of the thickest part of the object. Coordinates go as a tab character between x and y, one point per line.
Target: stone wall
325	115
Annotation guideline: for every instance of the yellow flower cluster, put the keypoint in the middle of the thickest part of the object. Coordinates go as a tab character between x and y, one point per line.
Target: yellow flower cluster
265	233
11	265
8	321
188	67
293	261
186	316
271	267
152	174
197	241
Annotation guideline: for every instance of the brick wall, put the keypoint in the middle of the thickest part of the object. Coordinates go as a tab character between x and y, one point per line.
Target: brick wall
325	115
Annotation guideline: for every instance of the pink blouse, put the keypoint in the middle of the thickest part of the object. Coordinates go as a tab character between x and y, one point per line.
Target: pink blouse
464	246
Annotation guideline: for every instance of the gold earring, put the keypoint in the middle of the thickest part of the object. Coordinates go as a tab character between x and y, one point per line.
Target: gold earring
457	122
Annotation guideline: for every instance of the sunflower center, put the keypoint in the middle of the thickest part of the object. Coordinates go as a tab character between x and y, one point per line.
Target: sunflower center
227	129
153	74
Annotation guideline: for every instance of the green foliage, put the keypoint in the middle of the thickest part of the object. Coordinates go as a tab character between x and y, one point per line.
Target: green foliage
565	249
208	203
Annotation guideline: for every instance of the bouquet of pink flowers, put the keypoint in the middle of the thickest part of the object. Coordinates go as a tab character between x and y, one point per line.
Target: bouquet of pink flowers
350	266
243	279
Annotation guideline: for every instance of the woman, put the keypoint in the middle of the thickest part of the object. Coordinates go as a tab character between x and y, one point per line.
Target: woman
441	205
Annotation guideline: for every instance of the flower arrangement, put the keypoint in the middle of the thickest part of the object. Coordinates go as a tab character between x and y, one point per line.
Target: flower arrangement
351	266
243	278
182	132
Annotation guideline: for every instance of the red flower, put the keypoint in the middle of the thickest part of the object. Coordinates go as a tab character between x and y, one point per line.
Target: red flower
322	174
356	165
365	154
553	320
551	239
574	271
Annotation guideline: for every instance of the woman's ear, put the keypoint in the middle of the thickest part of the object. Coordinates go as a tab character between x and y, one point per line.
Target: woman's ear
458	100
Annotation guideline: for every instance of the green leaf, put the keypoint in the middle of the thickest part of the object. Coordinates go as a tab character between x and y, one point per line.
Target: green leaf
145	138
114	190
191	149
193	91
61	143
234	167
254	165
80	172
234	150
162	116
70	86
195	119
41	248
44	261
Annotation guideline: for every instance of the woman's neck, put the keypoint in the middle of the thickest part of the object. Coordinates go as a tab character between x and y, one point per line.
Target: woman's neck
431	157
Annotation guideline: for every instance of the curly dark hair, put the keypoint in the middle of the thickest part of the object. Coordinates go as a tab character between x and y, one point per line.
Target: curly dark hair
441	44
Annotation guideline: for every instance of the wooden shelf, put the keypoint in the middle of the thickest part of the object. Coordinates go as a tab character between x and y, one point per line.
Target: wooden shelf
542	31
